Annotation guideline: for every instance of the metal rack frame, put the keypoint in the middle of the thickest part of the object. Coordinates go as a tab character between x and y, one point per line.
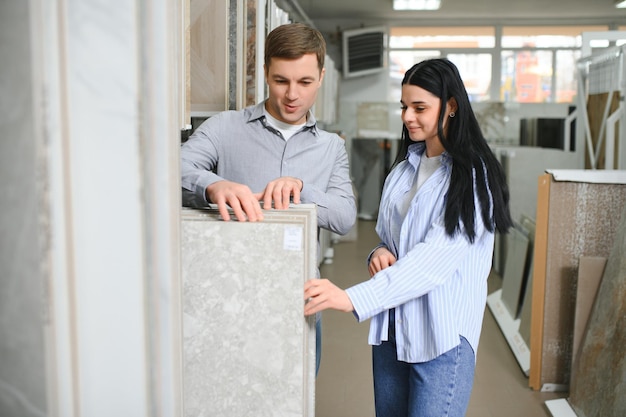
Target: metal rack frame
603	73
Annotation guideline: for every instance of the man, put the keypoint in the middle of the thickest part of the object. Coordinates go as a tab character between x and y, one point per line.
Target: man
274	151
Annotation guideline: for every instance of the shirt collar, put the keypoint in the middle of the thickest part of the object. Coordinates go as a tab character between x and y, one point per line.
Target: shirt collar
257	113
416	150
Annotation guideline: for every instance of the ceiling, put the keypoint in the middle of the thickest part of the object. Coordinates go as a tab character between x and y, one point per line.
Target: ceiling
338	15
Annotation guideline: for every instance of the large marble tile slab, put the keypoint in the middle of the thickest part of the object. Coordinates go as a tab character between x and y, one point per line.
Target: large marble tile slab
24	223
248	349
576	216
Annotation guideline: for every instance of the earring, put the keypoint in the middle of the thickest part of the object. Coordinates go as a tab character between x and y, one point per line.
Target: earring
452	114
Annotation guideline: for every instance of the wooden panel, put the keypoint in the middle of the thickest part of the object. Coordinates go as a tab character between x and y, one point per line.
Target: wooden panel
539	281
596	104
209	55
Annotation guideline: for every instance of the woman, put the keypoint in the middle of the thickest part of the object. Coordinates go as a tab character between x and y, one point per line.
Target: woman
442	203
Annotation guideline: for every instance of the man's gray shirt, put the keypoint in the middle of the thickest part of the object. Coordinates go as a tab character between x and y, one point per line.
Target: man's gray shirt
240	146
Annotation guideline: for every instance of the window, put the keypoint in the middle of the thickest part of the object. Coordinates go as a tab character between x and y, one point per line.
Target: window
442	37
545	36
475	70
526	76
532	64
566	81
410	45
539	62
399	63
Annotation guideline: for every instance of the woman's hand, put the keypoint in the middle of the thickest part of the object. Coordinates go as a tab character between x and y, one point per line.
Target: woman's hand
321	294
381	259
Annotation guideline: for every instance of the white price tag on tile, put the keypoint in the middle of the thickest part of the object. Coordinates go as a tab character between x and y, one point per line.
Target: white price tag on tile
293	238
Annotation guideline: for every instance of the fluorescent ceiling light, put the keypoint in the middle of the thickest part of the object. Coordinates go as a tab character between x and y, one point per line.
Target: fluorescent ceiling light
620	4
418	4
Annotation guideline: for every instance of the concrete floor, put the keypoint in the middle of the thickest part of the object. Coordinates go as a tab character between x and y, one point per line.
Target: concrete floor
344	383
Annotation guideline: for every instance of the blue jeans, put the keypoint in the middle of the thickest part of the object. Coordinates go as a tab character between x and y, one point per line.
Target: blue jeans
440	387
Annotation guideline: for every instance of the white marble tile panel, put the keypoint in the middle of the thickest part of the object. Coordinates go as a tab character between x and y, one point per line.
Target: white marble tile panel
248	349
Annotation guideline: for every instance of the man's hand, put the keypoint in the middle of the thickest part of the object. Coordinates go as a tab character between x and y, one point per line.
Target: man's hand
381	259
239	197
323	294
280	192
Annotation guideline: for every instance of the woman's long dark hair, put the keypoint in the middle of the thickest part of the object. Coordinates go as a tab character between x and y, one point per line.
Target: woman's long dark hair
466	145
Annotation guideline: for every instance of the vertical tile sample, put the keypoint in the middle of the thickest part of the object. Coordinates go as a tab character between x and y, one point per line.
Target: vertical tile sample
209	59
252	44
526	311
514	270
247	347
599	382
25	222
590	271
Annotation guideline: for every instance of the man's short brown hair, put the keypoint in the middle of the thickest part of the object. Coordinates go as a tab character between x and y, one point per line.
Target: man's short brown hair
293	40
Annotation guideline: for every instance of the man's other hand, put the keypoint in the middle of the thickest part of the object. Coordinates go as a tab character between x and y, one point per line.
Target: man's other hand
239	197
